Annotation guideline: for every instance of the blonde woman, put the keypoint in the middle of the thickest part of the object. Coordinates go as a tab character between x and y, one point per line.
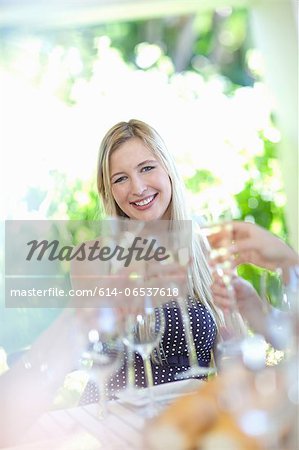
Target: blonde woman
138	179
125	147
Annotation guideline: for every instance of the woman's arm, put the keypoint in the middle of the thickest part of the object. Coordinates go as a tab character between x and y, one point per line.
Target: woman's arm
253	244
29	387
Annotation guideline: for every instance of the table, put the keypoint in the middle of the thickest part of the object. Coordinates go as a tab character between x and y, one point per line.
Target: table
80	429
124	429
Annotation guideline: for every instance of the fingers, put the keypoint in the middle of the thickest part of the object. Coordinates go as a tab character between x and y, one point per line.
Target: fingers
242	230
221	294
240	247
219	290
239	259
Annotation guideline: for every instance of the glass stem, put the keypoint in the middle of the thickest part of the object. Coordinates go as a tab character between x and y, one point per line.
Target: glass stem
130	375
232	319
188	334
102	407
130	368
149	380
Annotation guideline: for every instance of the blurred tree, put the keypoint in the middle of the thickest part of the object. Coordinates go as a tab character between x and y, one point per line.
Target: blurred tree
73	200
209	43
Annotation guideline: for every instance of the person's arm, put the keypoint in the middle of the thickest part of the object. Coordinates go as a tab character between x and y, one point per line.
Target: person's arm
29	387
253	244
252	308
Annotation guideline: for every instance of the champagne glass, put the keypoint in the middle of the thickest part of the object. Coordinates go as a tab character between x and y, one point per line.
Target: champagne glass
176	275
265	409
122	280
143	336
130	373
279	320
292	295
195	369
217	232
105	353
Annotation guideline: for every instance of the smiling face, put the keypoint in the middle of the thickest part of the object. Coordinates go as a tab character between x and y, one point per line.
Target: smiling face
140	185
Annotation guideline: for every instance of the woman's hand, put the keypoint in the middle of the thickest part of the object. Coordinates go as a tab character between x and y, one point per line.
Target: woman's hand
252	308
253	244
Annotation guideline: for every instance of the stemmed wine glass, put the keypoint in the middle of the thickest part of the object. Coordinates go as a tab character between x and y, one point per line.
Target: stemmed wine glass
143	335
265	403
278	320
119	232
195	368
130	373
217	231
177	277
105	353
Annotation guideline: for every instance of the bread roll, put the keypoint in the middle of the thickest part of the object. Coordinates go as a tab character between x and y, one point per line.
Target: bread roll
200	421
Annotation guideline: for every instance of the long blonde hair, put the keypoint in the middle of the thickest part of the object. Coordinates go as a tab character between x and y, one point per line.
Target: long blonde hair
200	276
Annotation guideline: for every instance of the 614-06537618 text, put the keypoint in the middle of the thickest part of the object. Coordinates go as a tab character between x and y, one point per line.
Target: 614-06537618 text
139	292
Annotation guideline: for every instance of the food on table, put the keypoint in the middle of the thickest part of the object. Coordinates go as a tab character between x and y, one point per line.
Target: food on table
201	421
